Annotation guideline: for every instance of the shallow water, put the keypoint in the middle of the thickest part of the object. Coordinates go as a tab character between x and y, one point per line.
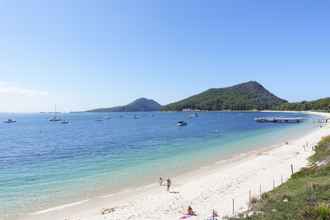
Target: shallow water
44	164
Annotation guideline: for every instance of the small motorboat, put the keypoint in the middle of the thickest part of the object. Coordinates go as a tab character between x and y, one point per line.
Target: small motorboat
181	123
9	121
65	122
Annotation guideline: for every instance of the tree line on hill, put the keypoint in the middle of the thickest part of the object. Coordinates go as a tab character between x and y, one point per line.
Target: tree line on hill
317	105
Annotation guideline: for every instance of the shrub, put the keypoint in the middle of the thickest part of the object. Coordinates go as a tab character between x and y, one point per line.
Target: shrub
322	211
318	212
265	196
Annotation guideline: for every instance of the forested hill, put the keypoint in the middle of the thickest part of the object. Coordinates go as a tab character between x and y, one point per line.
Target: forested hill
246	96
139	105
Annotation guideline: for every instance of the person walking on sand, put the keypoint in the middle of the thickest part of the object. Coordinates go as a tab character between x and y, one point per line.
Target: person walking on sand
160	181
215	215
168	184
190	211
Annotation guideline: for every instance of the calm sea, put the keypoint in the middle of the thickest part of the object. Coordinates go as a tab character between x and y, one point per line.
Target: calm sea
44	164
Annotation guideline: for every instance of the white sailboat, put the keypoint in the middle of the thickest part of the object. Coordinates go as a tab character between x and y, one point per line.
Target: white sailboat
55	118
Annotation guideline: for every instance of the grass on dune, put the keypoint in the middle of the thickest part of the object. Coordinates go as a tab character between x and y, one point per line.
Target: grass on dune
305	196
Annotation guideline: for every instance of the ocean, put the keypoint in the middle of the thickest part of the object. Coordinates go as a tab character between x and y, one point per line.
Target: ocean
45	164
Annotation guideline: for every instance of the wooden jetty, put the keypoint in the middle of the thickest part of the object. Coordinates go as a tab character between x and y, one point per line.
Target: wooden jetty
279	120
324	120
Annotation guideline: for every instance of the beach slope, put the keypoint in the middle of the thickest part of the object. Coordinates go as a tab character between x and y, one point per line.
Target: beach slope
215	187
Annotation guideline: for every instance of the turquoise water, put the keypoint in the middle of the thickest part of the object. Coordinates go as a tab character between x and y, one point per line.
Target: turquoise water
44	164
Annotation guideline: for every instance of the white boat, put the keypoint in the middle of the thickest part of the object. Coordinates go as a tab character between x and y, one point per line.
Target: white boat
9	121
181	123
55	118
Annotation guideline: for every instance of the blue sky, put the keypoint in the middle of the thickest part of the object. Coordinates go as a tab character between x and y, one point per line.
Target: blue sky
85	54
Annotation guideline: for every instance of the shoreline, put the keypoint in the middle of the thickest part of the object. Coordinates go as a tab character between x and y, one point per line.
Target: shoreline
207	188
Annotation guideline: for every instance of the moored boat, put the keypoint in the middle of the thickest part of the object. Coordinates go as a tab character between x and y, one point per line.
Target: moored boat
55	118
181	123
9	121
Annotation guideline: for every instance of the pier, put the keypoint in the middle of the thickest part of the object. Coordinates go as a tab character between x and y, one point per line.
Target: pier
278	120
324	121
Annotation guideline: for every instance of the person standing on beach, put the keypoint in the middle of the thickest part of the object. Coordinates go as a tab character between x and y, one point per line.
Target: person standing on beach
168	184
190	211
160	181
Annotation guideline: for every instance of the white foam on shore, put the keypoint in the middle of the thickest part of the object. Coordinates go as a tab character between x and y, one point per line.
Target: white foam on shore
56	208
107	196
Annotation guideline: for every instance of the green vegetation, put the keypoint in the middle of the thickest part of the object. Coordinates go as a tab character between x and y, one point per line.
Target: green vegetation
306	196
139	105
319	105
245	96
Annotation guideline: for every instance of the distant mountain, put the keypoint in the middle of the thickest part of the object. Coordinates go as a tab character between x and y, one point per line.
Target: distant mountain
319	105
246	96
139	105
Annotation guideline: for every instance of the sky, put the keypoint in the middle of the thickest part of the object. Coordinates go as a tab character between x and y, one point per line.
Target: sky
81	55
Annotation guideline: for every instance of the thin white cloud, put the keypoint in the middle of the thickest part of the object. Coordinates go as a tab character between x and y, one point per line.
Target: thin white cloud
10	89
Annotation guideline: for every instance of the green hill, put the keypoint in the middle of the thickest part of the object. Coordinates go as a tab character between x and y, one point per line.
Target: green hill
246	96
139	105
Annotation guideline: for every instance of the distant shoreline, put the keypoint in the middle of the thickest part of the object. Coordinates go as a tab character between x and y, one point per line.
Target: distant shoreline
75	112
198	110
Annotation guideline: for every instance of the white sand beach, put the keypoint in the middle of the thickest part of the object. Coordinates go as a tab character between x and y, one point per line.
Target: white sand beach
206	189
